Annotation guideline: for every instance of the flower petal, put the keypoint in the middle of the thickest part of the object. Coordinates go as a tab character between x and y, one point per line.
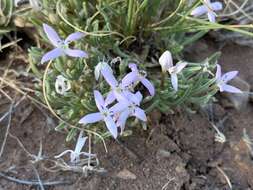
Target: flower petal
91	118
57	52
36	4
174	81
140	114
97	72
52	35
220	87
217	6
119	107
122	119
129	79
76	53
99	100
135	98
149	86
100	66
74	36
180	66
110	98
139	96
111	126
133	67
110	79
229	75
62	85
80	143
211	16
16	2
199	10
166	61
218	72
74	158
120	96
232	89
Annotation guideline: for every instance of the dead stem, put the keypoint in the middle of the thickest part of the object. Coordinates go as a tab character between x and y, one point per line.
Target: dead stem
16	88
36	158
26	182
226	177
7	129
38	176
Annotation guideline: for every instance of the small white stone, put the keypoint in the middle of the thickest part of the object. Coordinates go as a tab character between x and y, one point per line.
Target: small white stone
126	174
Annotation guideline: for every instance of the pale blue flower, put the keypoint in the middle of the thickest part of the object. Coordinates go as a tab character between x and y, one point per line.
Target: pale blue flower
222	80
128	109
104	114
62	46
208	8
138	76
119	90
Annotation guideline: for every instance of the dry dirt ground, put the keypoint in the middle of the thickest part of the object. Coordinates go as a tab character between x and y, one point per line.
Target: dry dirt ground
179	152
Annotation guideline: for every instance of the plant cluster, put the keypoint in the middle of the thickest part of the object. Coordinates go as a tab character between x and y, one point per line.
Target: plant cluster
112	61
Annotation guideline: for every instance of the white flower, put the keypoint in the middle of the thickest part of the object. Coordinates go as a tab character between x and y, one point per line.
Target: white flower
166	63
208	8
35	4
75	155
62	85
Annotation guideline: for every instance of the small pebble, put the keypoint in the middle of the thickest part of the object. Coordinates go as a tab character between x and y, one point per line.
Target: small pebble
126	175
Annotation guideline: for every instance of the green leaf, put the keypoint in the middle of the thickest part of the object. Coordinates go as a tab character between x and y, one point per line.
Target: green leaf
71	134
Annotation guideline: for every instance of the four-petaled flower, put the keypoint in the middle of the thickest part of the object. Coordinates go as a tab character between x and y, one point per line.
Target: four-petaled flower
104	114
166	63
127	109
138	76
62	46
222	80
75	155
119	90
209	8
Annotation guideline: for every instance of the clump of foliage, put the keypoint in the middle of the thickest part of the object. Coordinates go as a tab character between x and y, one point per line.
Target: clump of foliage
109	36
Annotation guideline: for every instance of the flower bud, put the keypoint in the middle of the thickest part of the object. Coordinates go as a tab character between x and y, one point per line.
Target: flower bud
166	61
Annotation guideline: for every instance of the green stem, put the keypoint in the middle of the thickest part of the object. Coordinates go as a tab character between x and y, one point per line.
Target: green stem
130	13
162	80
